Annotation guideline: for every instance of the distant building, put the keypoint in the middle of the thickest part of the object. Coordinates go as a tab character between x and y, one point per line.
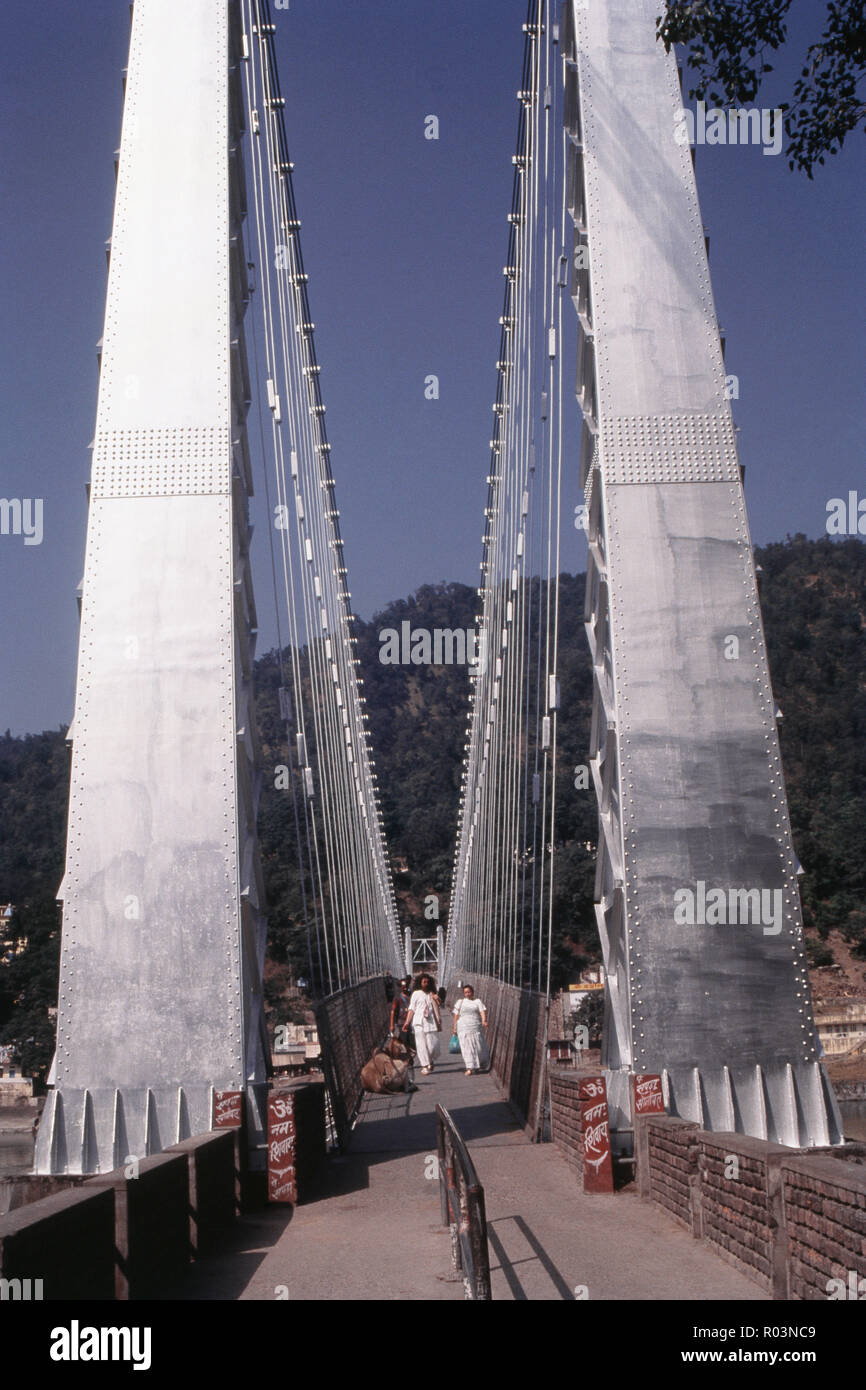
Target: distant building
841	1025
13	1084
296	1047
590	980
10	945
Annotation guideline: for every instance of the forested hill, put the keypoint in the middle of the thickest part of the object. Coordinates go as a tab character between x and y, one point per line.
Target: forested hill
813	597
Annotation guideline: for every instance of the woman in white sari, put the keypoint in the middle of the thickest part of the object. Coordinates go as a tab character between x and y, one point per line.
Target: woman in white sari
425	1018
470	1022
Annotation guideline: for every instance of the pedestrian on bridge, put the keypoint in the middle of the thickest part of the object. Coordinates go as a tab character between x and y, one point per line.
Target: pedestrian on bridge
399	1013
425	1018
470	1023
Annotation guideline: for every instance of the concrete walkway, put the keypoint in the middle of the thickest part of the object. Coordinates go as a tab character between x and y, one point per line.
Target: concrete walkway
374	1230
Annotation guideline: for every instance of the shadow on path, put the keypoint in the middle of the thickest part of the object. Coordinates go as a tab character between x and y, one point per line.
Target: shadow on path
538	1256
548	1240
227	1273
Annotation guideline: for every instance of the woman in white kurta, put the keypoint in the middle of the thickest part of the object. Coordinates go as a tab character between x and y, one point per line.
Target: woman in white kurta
424	1017
470	1022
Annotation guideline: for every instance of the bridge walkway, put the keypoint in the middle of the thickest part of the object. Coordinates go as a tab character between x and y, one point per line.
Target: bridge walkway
373	1231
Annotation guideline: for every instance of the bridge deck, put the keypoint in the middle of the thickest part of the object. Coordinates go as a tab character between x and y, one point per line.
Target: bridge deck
374	1232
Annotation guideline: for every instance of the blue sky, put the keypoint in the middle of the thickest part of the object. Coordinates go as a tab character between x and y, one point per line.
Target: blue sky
404	241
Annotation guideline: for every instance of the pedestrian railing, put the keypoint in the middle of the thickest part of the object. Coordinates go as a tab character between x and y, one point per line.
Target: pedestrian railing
463	1209
352	1024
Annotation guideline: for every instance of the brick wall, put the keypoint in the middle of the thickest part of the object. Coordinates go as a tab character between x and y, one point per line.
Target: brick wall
114	1236
672	1152
789	1219
351	1024
825	1223
565	1122
152	1228
20	1189
214	1187
66	1240
737	1210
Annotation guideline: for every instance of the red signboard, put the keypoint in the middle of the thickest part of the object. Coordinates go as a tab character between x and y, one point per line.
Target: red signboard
647	1094
597	1162
228	1109
282	1177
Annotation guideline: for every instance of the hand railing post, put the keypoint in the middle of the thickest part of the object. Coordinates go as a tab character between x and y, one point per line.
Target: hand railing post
478	1238
462	1198
441	1158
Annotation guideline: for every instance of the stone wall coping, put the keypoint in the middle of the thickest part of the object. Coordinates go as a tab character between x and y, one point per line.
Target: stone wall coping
116	1177
733	1142
567	1074
668	1122
563	1072
824	1167
46	1208
196	1142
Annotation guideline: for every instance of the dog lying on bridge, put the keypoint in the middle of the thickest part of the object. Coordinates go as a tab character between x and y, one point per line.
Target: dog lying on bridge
388	1070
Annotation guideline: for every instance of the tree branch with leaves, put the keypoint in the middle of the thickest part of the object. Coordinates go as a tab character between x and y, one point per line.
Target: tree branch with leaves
727	43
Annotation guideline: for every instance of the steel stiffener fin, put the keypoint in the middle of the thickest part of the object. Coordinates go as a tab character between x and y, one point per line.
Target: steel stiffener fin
162	947
685	749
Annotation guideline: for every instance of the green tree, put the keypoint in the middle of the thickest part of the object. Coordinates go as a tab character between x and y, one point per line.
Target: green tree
28	987
813	596
727	43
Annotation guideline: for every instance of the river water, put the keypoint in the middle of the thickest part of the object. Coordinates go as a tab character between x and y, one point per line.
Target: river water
16	1152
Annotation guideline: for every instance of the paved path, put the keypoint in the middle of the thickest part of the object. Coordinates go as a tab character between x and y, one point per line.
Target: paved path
374	1231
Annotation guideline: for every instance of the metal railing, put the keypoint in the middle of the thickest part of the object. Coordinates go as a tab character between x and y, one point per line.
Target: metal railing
518	1035
352	1024
463	1209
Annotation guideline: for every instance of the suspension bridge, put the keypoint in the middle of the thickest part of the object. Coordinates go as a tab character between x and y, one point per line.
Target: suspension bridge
160	1013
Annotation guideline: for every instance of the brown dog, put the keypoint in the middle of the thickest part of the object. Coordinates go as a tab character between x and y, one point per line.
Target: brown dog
397	1051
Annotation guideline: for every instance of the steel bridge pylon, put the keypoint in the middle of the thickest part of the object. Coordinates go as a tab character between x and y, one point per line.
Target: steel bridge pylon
163	933
697	896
